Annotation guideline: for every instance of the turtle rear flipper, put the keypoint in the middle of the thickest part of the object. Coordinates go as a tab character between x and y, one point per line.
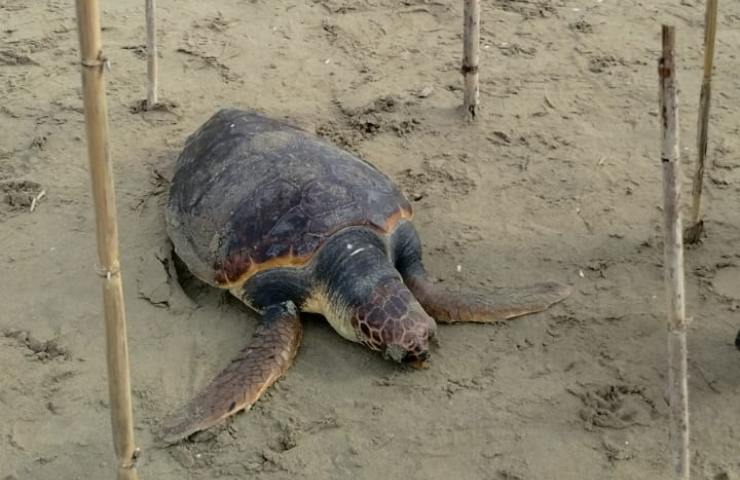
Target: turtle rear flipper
238	386
449	306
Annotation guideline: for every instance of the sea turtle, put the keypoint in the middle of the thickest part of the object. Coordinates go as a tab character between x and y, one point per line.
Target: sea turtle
289	223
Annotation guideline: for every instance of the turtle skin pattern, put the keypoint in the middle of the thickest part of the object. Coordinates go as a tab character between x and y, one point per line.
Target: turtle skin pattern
393	316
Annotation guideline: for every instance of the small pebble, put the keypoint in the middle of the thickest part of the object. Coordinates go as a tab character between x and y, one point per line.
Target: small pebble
425	92
34	345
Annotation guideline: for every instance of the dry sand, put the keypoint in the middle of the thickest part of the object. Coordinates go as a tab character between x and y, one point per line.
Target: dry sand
559	180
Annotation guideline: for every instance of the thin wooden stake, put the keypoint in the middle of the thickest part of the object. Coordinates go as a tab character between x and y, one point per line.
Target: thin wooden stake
471	56
151	55
694	231
96	120
673	250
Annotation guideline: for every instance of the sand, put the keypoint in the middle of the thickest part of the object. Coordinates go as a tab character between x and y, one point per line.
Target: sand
559	180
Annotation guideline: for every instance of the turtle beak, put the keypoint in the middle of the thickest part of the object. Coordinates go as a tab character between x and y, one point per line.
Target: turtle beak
418	363
414	360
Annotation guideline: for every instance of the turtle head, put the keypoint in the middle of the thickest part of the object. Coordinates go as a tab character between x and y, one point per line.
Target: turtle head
393	322
365	299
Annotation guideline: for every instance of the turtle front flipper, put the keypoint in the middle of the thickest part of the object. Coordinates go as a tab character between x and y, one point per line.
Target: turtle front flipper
450	306
238	386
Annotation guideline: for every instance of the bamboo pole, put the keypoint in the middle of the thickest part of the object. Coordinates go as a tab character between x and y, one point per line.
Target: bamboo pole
96	120
471	57
673	251
694	231
151	55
